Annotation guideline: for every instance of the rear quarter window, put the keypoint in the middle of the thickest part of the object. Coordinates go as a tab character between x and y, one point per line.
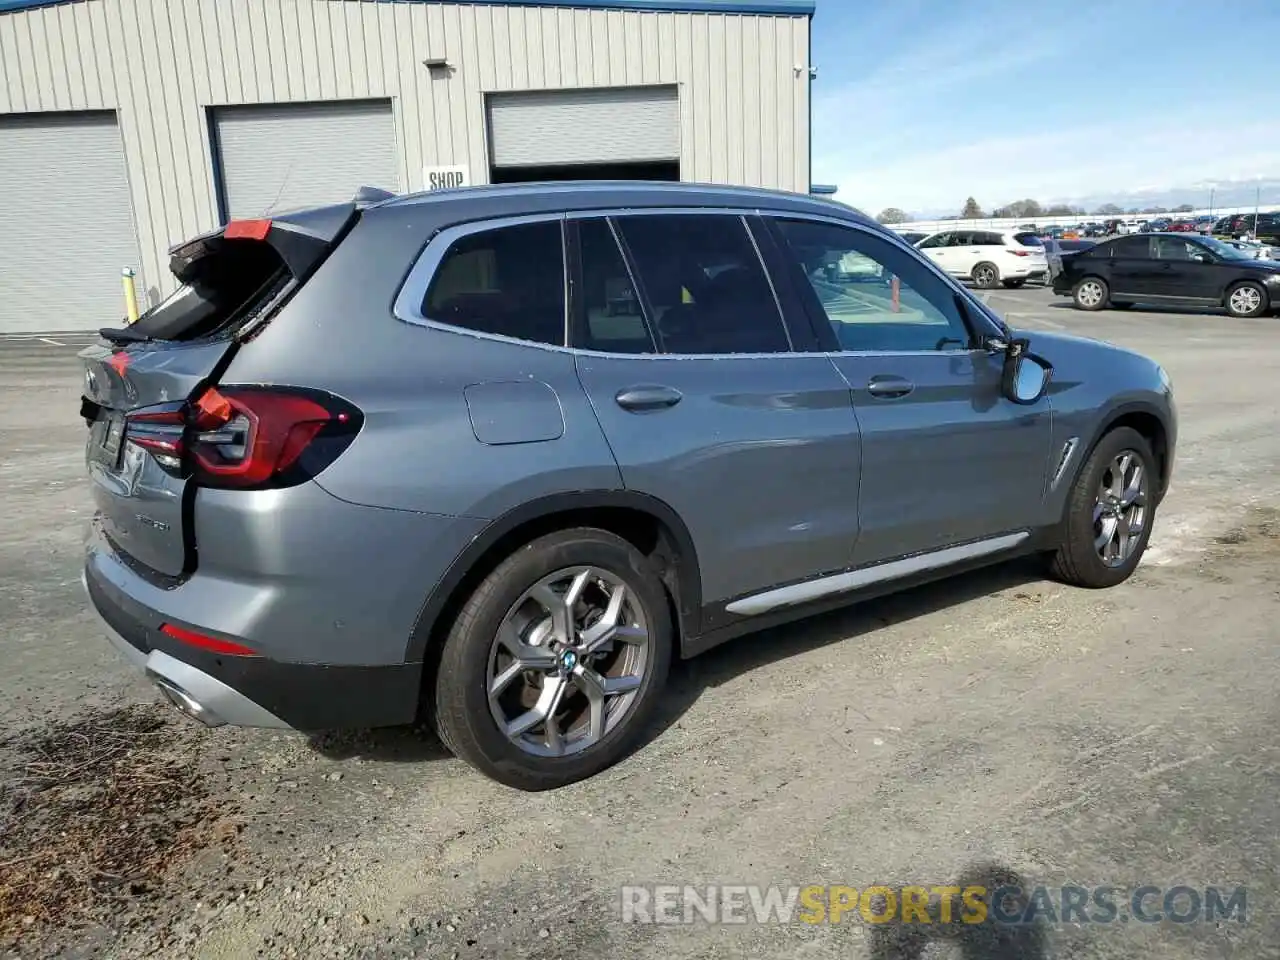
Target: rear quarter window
507	281
1029	240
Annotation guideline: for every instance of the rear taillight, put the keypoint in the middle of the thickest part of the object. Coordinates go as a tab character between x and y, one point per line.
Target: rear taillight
1019	253
159	430
257	437
247	437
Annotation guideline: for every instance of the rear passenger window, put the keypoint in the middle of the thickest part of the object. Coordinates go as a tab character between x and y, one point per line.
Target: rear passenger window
704	284
608	314
507	281
1131	248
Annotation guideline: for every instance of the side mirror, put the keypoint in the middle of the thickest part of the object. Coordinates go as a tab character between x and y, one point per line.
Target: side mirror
1025	376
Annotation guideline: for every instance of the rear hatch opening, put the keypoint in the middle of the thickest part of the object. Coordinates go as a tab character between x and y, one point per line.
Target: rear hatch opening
159	423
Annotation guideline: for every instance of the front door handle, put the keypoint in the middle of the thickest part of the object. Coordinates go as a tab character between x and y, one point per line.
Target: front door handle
889	387
647	398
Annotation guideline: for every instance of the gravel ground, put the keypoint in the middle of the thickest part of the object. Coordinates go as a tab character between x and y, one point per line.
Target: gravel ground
994	725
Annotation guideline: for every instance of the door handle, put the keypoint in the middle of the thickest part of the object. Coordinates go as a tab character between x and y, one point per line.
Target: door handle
889	387
647	398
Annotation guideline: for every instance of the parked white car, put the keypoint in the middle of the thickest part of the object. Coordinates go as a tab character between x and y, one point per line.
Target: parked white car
988	257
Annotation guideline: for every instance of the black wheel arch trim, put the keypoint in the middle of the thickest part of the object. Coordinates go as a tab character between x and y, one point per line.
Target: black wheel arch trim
685	570
1107	424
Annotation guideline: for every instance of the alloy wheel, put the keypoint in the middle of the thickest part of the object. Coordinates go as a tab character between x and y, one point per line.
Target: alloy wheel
1090	293
1120	509
985	276
1245	300
568	661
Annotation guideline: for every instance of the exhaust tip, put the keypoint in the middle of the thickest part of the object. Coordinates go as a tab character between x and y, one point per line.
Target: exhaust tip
186	703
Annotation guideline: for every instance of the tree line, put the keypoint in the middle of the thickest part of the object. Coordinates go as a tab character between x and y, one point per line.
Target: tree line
1030	210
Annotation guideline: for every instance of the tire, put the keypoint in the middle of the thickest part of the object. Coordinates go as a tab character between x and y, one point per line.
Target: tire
472	656
986	276
1078	560
1120	304
1246	299
1014	284
1090	293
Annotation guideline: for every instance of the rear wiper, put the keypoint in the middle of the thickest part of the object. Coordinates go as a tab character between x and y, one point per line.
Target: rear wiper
122	335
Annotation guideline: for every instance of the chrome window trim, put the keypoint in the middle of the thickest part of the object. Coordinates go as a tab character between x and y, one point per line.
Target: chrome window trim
407	306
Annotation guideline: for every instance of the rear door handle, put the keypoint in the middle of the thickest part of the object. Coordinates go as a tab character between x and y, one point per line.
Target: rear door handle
647	398
889	387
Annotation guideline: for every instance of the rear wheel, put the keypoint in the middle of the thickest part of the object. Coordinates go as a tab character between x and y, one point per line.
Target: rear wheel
1246	299
1014	284
556	661
986	276
1090	293
1109	512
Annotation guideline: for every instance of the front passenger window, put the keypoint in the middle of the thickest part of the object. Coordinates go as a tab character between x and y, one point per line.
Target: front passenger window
875	296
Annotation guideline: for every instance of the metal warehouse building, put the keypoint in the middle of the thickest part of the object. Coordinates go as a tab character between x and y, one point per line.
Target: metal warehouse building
127	126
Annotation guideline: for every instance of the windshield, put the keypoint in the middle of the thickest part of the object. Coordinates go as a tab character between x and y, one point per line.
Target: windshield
1226	251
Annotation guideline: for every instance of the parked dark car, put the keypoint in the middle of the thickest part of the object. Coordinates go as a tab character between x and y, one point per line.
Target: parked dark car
497	456
1156	226
1265	227
1170	268
1057	251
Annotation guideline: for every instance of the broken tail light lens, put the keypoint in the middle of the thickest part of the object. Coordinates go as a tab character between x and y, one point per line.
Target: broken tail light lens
266	437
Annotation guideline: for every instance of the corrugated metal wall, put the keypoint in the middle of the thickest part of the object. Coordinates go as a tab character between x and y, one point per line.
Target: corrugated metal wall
744	105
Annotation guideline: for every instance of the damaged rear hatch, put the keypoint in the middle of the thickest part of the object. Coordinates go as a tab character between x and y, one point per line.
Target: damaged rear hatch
145	383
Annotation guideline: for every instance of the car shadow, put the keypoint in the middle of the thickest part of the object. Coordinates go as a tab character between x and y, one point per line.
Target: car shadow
690	678
1149	308
988	940
404	744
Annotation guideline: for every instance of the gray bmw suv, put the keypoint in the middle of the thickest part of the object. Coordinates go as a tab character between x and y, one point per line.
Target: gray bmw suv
495	456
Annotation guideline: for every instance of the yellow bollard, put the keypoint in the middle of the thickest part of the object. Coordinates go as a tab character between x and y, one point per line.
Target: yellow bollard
130	294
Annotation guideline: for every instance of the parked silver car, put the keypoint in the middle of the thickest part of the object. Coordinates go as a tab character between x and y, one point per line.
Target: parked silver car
494	456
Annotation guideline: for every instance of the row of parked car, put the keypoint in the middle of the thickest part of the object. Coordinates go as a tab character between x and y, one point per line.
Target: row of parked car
1173	268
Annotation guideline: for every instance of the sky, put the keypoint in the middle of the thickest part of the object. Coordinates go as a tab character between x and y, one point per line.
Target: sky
919	104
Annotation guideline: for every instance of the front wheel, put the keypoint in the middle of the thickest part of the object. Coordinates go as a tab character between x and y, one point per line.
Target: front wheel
1090	293
1247	299
1109	512
556	661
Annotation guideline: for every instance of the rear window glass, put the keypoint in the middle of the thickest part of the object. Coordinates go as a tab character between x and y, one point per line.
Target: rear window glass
1029	240
227	283
507	281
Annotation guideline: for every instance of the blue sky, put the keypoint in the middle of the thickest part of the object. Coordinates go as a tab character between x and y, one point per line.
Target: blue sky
921	103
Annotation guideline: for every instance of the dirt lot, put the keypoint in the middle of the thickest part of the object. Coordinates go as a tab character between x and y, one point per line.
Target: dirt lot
997	723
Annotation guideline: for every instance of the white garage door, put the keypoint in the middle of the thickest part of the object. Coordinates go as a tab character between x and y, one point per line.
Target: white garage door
66	223
277	157
551	127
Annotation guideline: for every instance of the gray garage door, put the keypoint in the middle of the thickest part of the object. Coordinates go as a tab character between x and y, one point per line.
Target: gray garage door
66	223
277	157
551	127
